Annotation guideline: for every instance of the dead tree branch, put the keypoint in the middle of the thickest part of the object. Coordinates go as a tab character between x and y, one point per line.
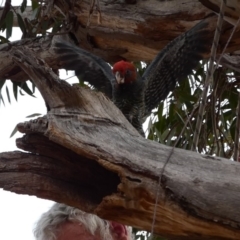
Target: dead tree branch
84	153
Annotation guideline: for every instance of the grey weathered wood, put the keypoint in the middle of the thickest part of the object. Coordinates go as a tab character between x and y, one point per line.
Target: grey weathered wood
84	153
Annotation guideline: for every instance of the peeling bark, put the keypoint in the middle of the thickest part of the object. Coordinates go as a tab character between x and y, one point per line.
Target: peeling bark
84	153
140	31
135	32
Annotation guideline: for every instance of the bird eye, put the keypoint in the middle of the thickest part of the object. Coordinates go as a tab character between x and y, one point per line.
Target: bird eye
128	72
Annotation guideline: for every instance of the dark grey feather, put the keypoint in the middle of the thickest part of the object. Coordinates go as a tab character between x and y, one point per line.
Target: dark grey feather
86	65
174	63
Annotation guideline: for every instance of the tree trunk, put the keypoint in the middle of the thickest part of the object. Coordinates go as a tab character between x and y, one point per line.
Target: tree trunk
135	32
86	154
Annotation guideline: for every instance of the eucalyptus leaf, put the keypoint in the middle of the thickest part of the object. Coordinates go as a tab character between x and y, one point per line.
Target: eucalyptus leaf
15	90
8	95
21	24
14	131
35	4
34	115
23	5
9	24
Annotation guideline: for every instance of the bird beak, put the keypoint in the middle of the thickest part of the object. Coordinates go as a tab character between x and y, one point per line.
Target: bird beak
119	78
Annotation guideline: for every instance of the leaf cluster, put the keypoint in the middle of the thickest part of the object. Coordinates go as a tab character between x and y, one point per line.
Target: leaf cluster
182	106
33	23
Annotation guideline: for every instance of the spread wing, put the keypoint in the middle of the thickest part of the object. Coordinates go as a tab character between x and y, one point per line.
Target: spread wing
174	63
91	68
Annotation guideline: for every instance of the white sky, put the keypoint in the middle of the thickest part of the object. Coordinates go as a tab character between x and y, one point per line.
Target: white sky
18	213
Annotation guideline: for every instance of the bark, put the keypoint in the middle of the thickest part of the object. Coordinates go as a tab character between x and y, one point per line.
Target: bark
9	70
138	31
231	11
232	62
84	153
135	32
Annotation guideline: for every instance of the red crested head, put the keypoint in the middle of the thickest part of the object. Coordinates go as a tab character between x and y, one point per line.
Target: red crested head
125	72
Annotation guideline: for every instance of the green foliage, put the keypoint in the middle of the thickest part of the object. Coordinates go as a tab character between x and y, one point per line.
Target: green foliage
9	24
141	67
21	24
17	88
34	25
219	123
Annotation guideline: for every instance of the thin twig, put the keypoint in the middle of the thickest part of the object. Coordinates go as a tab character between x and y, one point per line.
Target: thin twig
214	119
228	41
99	16
166	162
237	132
99	12
163	169
208	77
90	11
